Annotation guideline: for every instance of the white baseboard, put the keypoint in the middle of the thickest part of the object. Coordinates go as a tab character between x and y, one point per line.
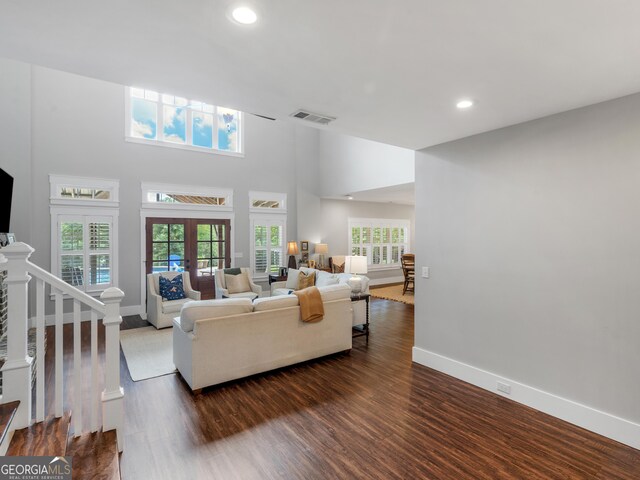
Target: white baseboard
386	280
85	315
616	428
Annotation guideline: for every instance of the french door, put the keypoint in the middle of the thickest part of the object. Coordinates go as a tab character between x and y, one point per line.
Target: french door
198	246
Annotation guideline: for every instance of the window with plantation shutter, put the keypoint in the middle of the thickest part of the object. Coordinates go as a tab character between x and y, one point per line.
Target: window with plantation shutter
267	244
83	245
382	241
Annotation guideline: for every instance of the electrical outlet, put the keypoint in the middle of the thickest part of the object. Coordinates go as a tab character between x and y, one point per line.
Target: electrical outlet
425	272
504	388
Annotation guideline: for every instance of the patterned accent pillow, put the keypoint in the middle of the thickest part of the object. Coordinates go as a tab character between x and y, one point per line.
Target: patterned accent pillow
305	280
172	289
338	268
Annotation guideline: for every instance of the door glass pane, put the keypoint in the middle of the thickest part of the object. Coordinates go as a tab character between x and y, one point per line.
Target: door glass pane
160	232
204	232
176	232
160	266
160	251
217	249
204	250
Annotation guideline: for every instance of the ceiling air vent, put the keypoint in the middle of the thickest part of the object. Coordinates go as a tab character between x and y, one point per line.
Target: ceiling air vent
312	117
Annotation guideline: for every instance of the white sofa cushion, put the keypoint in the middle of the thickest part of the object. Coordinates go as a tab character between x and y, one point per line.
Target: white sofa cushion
335	292
283	291
196	310
272	303
324	279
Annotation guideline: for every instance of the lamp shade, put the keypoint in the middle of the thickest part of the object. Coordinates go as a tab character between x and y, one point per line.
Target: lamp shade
292	248
322	248
355	264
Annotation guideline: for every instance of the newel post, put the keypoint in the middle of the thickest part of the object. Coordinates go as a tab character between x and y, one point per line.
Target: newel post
16	372
113	395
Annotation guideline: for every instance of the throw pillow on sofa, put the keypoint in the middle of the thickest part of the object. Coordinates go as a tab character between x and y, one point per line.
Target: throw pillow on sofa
306	280
292	279
172	289
237	283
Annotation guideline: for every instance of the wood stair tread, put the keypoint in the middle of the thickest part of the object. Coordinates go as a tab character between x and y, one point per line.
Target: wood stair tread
7	412
45	438
95	456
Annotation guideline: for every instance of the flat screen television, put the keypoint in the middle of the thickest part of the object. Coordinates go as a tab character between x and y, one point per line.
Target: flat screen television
6	193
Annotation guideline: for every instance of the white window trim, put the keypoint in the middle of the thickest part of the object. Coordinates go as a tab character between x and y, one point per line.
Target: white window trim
84	212
189	190
381	222
57	182
159	128
262	218
270	196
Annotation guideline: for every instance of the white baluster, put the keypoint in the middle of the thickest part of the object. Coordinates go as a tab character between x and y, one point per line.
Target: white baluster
16	371
113	395
40	374
77	371
95	400
59	408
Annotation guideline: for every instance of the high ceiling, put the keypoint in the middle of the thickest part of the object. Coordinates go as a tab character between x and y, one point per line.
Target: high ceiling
388	70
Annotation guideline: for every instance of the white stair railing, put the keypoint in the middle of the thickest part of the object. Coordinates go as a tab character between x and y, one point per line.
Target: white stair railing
17	370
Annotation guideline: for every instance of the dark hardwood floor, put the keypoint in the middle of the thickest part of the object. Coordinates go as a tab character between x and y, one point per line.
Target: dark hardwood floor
370	413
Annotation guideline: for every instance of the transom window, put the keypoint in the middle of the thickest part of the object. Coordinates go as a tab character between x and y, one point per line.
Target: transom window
268	202
382	241
180	122
186	196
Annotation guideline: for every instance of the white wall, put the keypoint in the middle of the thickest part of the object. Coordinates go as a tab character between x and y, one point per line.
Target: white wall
532	233
350	164
15	141
77	128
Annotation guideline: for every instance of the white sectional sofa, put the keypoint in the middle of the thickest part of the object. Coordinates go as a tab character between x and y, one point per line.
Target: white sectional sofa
215	341
324	279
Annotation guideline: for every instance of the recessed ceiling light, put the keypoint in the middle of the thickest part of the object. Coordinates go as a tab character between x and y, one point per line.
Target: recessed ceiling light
349	197
462	104
244	15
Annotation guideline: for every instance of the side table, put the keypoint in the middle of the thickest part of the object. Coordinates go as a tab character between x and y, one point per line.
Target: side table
275	277
363	329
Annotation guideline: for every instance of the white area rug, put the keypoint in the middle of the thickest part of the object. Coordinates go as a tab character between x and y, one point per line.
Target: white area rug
149	352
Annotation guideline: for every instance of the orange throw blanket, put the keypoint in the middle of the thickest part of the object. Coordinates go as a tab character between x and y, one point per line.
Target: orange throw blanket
311	308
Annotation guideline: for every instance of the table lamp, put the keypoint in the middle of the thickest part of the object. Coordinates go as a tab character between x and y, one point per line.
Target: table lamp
355	265
292	251
322	249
